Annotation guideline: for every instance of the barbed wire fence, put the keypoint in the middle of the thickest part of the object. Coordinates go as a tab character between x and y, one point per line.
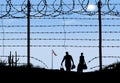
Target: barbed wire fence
61	11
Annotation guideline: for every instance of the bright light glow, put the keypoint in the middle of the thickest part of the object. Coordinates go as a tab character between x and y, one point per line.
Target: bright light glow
91	7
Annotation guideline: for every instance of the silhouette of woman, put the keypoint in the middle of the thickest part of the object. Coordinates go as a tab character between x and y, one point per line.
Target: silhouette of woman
81	64
68	61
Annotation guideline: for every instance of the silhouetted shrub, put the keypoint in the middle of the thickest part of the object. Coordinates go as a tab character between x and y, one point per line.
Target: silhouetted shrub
2	63
114	66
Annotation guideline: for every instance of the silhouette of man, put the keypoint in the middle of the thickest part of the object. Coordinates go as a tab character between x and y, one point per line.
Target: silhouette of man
68	61
81	63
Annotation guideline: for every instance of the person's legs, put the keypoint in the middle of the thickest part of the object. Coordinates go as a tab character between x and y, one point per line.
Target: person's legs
68	67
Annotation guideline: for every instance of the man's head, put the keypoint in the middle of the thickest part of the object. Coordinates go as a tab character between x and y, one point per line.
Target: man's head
81	53
67	53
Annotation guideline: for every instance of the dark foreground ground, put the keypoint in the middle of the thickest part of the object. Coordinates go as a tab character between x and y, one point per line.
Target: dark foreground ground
19	75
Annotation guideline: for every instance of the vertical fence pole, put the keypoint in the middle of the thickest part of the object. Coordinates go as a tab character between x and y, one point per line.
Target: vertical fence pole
100	34
28	33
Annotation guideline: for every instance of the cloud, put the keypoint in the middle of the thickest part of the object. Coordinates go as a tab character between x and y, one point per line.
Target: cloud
91	7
